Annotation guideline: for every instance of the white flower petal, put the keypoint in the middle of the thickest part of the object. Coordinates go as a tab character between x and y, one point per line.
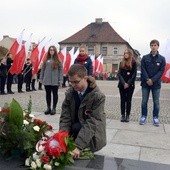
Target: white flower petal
33	165
35	156
36	128
31	115
27	162
38	162
47	167
25	122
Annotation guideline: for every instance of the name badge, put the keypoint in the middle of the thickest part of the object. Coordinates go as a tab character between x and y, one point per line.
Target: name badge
128	73
158	64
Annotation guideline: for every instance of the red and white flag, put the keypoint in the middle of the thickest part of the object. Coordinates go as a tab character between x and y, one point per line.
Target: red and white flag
20	58
165	51
99	68
166	74
74	56
68	61
62	55
93	62
37	55
17	45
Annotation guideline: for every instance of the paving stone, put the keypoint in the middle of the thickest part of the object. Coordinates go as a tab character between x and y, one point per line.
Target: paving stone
120	151
112	105
133	126
152	140
155	155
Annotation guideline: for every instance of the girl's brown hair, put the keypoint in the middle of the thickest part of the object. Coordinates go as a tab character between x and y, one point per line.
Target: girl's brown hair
127	62
57	61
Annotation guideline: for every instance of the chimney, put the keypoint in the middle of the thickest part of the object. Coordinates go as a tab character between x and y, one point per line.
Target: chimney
5	36
99	20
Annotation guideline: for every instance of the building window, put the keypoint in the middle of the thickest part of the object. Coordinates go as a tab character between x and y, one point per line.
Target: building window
115	51
75	49
68	49
90	50
104	51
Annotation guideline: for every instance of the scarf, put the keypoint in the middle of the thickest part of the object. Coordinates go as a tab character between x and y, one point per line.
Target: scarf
82	59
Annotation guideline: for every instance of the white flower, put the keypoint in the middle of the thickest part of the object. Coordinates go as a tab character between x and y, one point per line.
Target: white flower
27	162
33	165
26	122
38	162
35	156
47	167
41	148
36	128
49	133
31	115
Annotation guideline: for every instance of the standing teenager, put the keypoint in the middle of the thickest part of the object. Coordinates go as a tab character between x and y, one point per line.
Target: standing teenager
152	68
51	77
126	74
84	60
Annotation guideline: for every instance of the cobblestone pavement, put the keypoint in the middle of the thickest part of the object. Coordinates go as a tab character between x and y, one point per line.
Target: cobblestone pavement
112	106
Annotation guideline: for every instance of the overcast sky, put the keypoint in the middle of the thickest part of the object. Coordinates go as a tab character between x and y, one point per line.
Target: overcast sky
135	21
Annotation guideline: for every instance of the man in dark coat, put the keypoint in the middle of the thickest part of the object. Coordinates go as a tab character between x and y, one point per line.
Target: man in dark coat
83	113
9	63
152	68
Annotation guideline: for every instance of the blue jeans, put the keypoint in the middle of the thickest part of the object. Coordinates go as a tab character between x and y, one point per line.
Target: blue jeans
155	97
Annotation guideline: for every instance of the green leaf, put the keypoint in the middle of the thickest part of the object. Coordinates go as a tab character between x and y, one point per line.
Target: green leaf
70	158
16	114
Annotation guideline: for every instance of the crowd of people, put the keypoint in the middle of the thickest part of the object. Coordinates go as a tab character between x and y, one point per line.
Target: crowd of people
7	79
83	114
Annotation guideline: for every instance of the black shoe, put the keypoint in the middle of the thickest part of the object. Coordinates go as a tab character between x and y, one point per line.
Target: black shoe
34	90
53	112
3	93
20	91
40	88
10	92
127	118
122	118
48	111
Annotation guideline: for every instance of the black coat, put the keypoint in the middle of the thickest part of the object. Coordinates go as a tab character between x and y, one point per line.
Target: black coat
128	76
3	70
88	65
9	62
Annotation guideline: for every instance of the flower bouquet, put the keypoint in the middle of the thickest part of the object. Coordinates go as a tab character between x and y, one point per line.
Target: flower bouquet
19	131
22	135
54	151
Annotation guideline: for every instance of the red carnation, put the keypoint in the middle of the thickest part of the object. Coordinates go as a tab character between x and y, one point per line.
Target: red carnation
56	144
60	136
38	121
45	159
50	127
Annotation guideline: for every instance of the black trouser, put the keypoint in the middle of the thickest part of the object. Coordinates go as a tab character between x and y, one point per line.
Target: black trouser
33	84
39	85
20	82
75	129
125	100
54	90
65	78
28	82
2	85
9	82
